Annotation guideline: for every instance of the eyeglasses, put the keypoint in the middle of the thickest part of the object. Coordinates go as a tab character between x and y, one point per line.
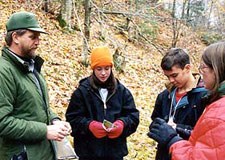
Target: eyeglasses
201	67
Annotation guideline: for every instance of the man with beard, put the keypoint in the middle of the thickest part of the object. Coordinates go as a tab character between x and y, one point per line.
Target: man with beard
27	124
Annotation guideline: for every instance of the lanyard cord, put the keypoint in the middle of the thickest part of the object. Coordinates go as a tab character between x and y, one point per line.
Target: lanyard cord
171	106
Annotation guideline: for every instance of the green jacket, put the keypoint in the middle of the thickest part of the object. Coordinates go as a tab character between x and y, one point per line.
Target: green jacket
24	111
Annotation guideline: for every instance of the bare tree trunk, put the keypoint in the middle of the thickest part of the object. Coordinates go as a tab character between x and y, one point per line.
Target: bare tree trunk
183	9
66	13
188	10
174	25
46	6
210	11
86	38
220	20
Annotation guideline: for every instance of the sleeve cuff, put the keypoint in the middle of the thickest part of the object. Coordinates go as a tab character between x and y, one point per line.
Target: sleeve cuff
173	140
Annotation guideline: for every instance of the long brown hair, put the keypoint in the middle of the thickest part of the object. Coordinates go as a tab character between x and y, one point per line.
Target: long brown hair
214	57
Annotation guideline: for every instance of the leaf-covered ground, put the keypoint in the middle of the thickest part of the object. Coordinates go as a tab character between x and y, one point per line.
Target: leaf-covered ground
142	75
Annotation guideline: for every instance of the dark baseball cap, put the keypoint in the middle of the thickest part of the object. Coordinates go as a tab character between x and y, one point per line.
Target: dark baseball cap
23	20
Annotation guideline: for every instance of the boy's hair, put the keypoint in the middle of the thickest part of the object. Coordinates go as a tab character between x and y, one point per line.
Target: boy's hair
175	57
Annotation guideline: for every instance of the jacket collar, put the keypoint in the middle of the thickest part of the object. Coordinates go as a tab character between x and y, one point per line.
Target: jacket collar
86	82
26	67
221	89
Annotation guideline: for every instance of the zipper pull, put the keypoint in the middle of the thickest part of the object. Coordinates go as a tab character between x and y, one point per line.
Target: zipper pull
105	107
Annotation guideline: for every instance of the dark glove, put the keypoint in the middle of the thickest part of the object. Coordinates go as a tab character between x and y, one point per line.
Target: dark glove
183	132
163	133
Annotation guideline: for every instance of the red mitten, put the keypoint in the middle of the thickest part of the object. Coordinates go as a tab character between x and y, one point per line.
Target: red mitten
117	129
97	129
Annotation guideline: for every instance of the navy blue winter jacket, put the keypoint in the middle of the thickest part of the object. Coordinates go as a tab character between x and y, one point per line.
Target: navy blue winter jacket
187	113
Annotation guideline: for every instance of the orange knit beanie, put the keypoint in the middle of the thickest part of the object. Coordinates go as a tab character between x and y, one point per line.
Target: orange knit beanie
101	56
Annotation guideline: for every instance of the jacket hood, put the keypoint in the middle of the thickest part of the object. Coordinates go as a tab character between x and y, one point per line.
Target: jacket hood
84	82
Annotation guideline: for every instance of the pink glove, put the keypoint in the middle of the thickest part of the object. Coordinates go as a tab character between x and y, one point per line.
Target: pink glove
97	130
117	130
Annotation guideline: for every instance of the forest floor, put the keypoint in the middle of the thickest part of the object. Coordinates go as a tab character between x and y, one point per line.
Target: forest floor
142	74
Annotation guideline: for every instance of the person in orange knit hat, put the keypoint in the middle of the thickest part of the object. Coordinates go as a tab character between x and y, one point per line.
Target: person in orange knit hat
102	112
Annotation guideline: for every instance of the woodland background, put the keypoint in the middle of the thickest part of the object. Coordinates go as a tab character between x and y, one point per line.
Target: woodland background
138	32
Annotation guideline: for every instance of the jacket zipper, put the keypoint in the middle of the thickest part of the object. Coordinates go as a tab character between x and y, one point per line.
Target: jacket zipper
104	103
